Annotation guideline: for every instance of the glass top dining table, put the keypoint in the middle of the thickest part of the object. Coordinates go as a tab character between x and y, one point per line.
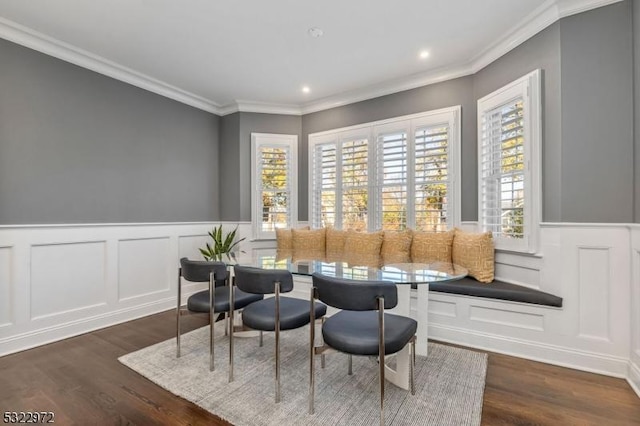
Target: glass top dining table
349	266
356	267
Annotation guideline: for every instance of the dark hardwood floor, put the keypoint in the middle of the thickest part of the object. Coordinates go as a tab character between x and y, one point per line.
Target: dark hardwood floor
82	382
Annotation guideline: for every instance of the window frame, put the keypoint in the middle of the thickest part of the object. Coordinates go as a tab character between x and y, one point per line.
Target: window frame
409	123
529	88
272	140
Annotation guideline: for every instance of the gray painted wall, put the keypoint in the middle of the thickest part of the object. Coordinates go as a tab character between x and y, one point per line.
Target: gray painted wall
636	106
229	167
597	115
260	123
449	93
541	51
78	147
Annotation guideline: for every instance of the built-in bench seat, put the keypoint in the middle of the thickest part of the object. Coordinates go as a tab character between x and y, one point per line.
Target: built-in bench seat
497	290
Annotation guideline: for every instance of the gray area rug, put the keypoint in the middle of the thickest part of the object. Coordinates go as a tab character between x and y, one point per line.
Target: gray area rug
449	383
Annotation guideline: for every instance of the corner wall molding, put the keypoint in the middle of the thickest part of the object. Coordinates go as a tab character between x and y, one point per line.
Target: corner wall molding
35	40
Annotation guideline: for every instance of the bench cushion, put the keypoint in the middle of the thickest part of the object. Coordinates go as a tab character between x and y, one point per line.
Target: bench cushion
497	290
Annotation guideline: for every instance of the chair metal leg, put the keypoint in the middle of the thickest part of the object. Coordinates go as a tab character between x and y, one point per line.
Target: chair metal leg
412	367
381	342
312	338
261	339
322	361
212	320
226	323
277	327
178	314
350	364
231	310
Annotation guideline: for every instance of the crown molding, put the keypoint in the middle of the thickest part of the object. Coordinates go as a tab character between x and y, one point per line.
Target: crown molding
260	107
387	88
543	16
572	7
27	37
546	14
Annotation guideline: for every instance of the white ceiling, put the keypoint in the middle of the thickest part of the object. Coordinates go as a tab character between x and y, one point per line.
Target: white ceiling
224	56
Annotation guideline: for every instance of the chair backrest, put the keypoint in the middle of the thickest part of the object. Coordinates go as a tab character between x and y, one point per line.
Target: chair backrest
261	281
354	295
199	270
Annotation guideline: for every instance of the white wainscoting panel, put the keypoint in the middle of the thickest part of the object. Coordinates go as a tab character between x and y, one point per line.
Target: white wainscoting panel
594	269
57	281
504	317
66	278
188	245
144	267
442	308
6	308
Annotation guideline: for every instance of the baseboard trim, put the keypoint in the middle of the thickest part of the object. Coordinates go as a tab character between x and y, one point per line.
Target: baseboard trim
633	377
44	336
550	354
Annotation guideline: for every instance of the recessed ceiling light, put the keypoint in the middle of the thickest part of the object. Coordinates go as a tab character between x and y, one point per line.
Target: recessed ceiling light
315	32
306	89
424	54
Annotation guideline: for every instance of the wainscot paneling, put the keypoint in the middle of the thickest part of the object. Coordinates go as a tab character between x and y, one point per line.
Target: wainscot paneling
144	266
66	278
58	281
128	271
634	359
589	266
6	317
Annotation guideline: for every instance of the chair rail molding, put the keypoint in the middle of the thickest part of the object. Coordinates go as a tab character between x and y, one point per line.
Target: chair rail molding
61	280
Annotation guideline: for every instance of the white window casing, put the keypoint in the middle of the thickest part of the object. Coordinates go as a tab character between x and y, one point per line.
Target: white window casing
509	163
274	183
374	165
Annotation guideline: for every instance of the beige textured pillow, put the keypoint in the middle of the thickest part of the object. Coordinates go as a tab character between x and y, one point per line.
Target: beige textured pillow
428	247
396	247
475	252
308	239
363	243
335	240
284	238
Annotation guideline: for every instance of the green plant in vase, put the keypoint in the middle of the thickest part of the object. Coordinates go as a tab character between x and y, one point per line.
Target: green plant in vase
223	244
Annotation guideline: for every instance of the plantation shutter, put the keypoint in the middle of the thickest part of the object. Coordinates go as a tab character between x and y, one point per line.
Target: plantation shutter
503	170
432	178
355	184
392	159
325	187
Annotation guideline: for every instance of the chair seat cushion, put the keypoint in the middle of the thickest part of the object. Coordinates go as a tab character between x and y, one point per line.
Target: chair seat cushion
357	332
199	302
294	313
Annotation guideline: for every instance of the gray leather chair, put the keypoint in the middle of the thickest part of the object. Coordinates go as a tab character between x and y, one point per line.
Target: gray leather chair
275	313
358	329
216	274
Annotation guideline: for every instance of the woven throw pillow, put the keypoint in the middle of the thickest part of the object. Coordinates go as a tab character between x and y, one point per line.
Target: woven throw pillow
363	243
474	251
284	238
335	240
428	247
396	247
308	239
